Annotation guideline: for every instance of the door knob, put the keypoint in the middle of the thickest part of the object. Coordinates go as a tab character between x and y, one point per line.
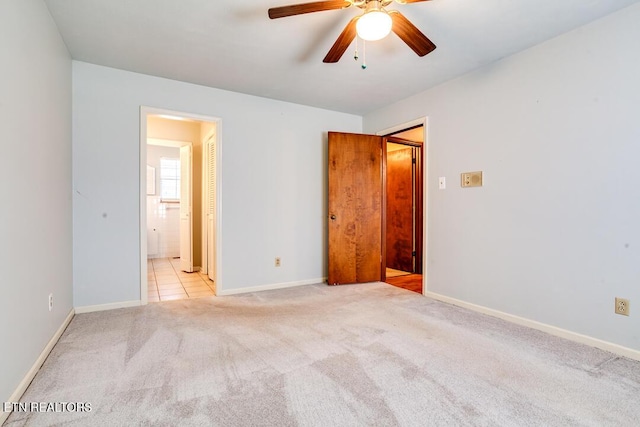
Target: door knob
332	216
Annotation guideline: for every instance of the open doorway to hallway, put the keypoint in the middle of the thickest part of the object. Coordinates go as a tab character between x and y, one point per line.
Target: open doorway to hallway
179	205
404	208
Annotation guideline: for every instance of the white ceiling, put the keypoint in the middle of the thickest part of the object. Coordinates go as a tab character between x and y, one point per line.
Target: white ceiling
233	45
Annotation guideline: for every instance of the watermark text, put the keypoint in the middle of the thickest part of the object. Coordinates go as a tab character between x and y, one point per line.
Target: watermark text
46	407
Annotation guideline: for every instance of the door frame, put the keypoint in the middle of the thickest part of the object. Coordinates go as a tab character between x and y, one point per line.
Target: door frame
424	122
142	207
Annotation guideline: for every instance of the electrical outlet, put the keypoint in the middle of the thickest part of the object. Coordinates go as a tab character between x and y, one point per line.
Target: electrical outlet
622	306
50	302
278	263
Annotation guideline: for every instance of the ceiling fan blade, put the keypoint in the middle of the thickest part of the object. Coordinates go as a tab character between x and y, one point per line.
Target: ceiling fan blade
342	43
410	34
299	9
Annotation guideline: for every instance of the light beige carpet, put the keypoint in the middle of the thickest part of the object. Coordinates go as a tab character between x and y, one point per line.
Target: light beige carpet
360	355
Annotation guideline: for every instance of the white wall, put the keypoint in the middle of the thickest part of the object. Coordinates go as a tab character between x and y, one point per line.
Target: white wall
35	189
273	181
554	235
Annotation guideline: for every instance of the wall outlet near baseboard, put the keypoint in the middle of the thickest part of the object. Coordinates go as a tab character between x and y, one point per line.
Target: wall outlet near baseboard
622	306
50	302
278	263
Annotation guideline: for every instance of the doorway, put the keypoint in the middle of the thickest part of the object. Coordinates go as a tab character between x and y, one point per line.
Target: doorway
403	211
191	246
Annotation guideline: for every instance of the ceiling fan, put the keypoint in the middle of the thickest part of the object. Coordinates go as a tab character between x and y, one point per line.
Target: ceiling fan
374	24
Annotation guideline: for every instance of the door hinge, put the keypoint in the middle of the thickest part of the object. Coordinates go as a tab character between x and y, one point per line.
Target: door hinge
413	160
413	253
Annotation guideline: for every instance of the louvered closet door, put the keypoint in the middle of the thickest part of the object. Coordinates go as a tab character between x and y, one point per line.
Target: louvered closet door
211	207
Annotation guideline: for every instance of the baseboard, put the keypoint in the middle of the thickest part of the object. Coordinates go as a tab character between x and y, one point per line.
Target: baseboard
552	330
103	307
270	287
24	384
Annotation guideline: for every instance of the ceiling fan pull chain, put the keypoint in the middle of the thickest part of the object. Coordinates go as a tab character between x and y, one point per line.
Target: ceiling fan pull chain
364	55
355	55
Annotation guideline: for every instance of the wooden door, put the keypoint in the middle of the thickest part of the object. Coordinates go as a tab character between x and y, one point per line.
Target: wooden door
355	208
400	220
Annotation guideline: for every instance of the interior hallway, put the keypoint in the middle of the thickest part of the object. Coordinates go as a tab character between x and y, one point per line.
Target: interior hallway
165	281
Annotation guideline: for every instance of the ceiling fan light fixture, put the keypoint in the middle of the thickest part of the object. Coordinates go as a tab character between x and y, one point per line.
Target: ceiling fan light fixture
375	24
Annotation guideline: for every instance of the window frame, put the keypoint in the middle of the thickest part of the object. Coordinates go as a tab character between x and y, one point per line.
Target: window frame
173	178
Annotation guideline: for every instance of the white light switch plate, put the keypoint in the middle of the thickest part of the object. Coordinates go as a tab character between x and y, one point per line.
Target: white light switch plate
442	183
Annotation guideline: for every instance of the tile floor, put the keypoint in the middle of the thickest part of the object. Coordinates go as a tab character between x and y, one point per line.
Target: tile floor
167	282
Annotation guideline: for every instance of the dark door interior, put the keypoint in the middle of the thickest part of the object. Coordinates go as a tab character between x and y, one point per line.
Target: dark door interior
400	209
404	205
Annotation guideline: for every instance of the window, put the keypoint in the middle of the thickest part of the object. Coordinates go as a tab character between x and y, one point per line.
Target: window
169	179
